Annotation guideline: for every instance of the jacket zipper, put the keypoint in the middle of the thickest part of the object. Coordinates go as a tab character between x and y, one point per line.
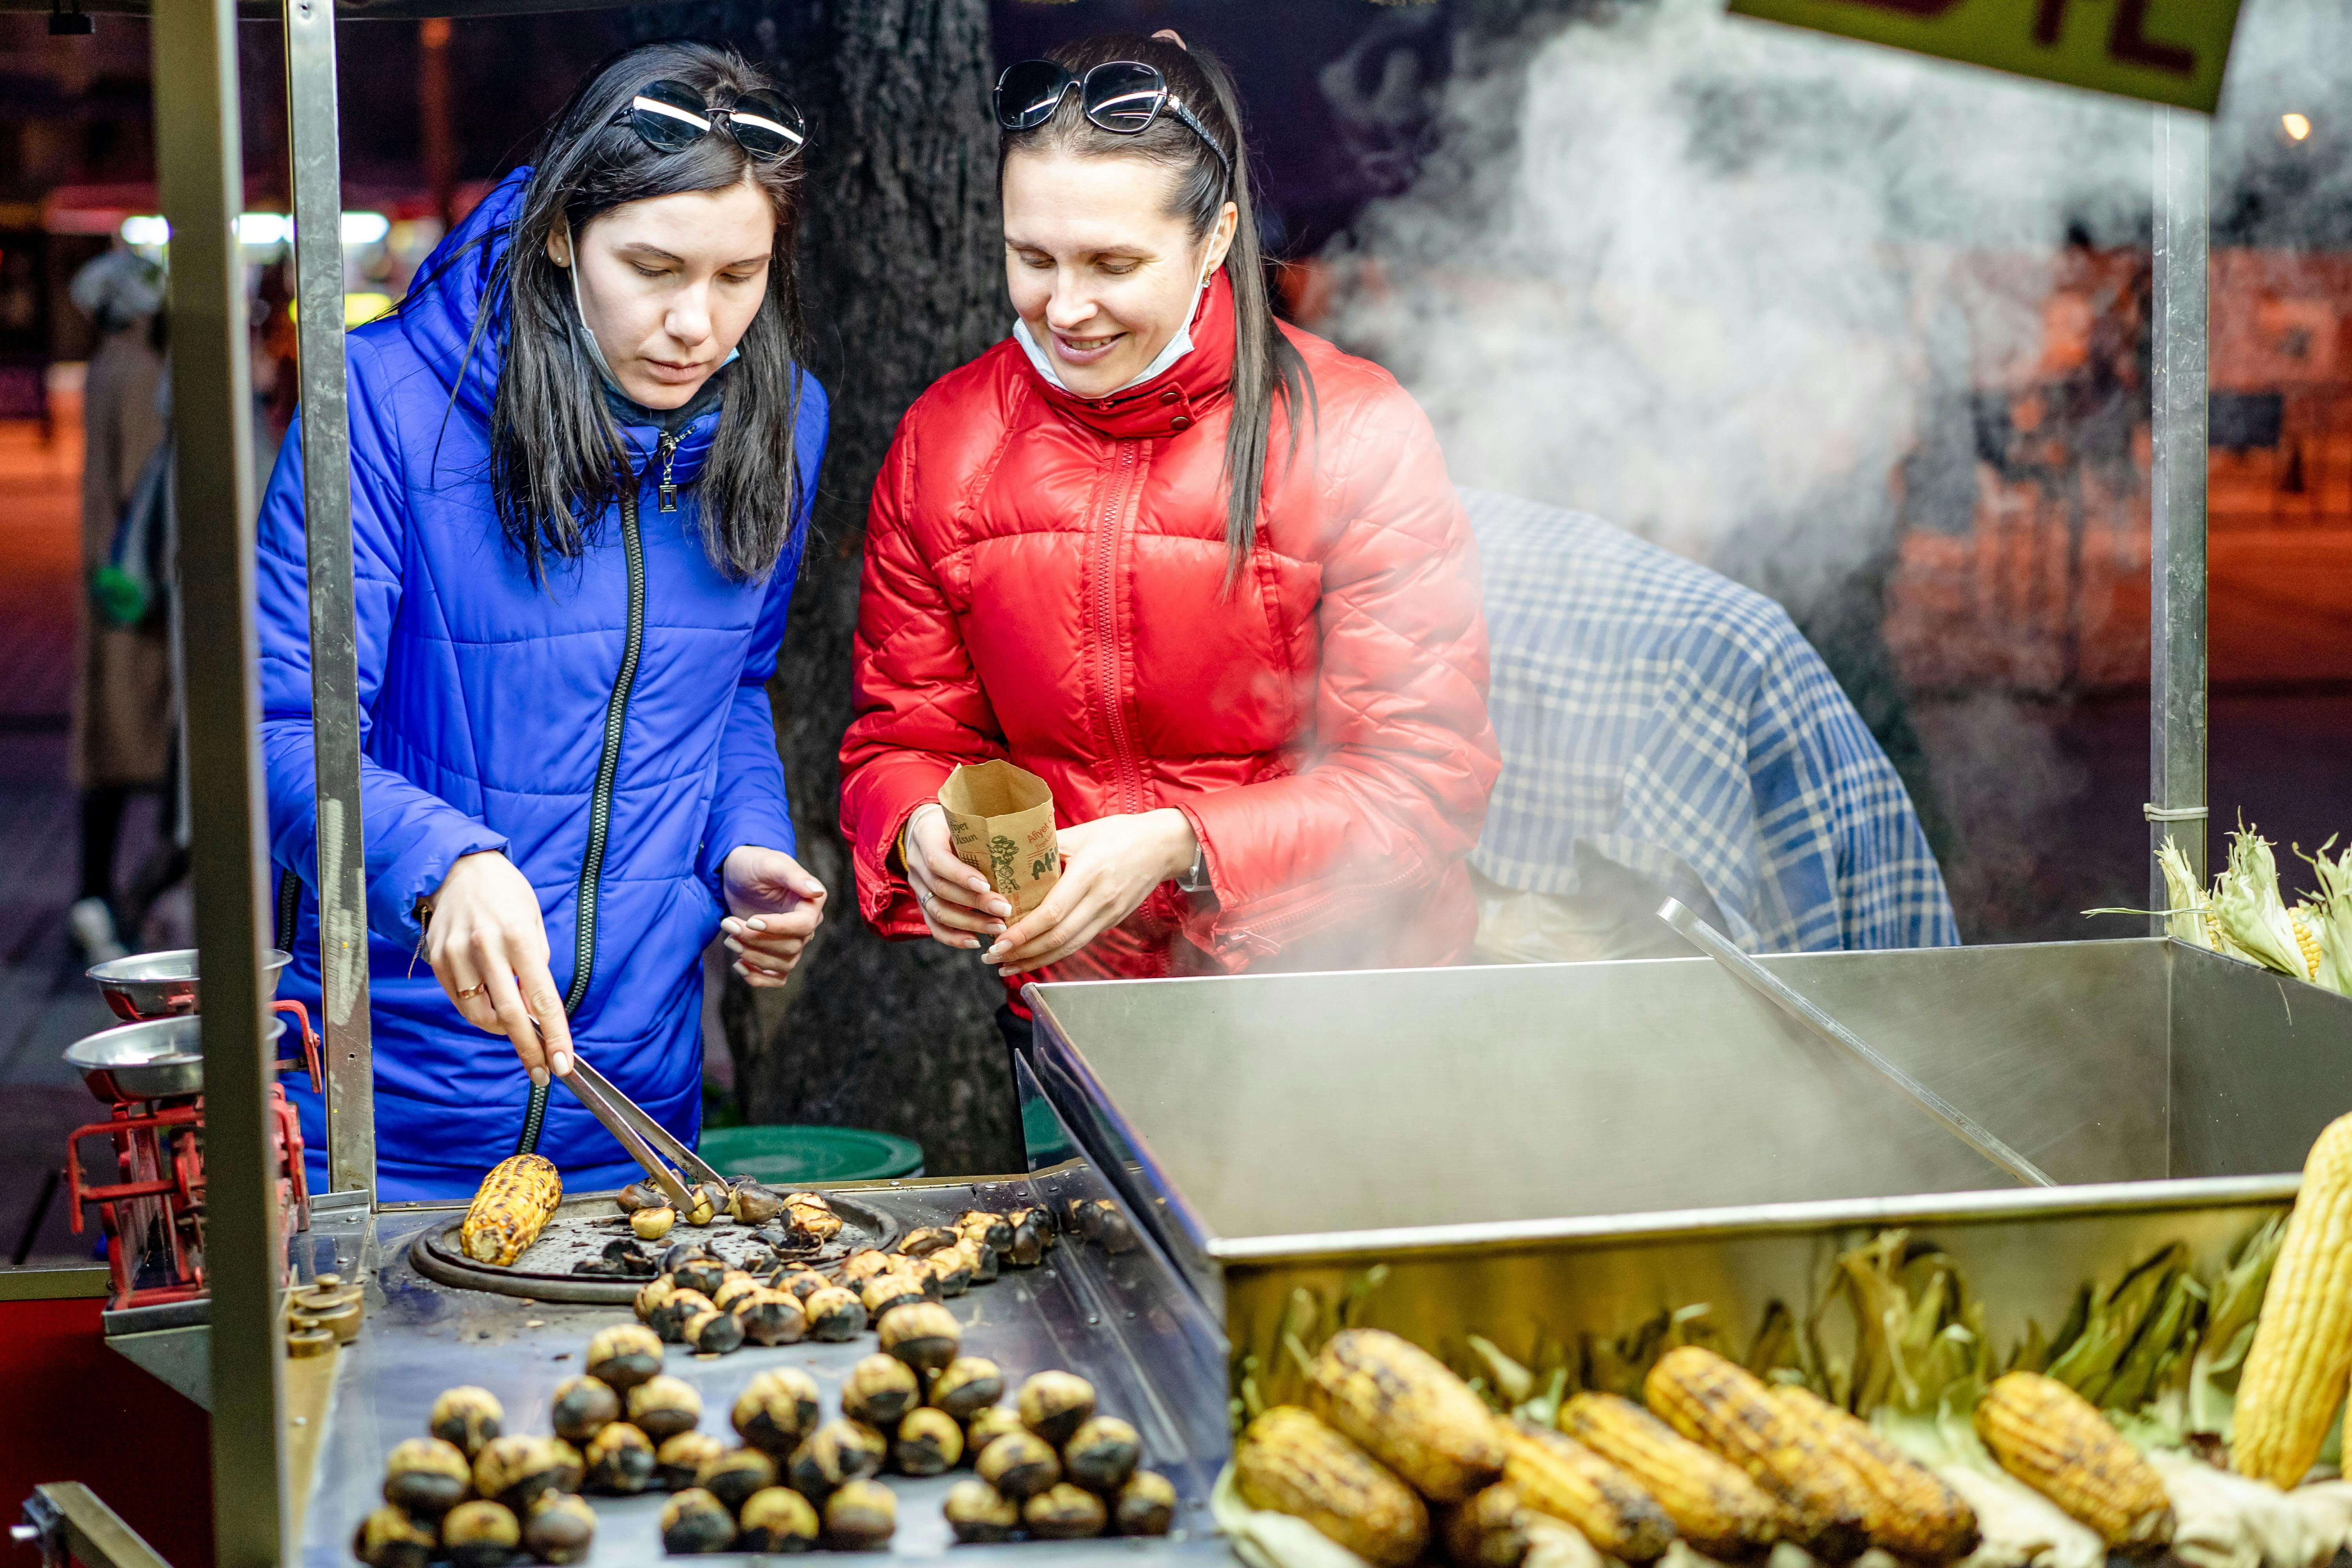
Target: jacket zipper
608	766
1106	622
667	449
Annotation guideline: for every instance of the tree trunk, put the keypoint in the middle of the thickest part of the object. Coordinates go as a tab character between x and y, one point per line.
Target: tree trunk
902	282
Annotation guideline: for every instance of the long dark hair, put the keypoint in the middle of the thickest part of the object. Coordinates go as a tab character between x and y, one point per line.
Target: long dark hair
557	461
1265	364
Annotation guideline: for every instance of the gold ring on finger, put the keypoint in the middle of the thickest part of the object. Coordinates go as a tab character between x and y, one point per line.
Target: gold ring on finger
470	992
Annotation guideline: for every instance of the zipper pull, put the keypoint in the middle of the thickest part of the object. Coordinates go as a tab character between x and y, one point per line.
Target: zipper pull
666	447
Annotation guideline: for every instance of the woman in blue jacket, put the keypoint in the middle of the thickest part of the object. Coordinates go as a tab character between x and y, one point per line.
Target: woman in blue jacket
582	455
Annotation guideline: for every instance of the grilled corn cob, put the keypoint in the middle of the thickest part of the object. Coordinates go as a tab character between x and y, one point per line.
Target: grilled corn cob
1913	1514
2295	1375
1727	1408
1554	1474
1407	1409
509	1209
1713	1503
2050	1437
1289	1462
1490	1531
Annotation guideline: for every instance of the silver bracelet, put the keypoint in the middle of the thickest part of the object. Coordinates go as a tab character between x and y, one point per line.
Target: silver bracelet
1196	880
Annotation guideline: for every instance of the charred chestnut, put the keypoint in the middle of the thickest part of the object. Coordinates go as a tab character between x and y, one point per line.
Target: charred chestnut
836	1453
772	1318
583	1407
864	1264
389	1538
968	1385
702	1275
732	1475
713	1332
1053	1404
834	1314
669	1320
638	1197
984	1262
776	1410
560	1529
987	1424
950	1270
884	1291
879	1391
1145	1506
734	1288
754	1205
1102	1454
928	1239
682	1253
480	1534
759	1259
860	1517
514	1471
467	1419
620	1460
571	1466
695	1521
993	1231
929	1442
426	1476
1020	1465
681	1458
662	1408
777	1519
651	1295
624	1356
923	1334
978	1512
804	1282
1033	1233
1064	1512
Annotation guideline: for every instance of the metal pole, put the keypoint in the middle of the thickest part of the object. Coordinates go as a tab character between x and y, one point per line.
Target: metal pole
2176	806
200	169
317	181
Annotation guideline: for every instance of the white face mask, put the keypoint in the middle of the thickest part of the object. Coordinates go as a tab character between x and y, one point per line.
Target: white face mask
1177	348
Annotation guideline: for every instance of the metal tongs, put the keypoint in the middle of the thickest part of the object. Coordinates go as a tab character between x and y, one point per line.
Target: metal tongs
640	1134
1778	991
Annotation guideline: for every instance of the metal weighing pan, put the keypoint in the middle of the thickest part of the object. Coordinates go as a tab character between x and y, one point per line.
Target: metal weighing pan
161	1059
163	984
579	1231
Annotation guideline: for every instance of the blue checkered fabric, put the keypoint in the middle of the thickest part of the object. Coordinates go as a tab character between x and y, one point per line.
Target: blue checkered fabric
1680	725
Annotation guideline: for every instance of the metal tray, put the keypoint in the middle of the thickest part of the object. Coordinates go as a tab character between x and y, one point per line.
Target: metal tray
578	1232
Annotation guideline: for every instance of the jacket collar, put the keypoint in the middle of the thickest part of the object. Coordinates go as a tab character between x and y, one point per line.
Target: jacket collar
1171	401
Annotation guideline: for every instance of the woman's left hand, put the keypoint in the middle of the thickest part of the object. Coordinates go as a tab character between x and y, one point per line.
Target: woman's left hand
774	907
1109	866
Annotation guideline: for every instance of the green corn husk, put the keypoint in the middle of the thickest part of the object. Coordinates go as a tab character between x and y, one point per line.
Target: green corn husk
2088	1365
2189	916
1921	1345
2331	915
2253	916
2235	1298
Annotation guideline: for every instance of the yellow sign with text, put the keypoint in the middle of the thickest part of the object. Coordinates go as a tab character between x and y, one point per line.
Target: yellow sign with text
2168	51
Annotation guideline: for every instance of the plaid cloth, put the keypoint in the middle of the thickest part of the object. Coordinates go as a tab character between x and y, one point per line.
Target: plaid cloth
1681	726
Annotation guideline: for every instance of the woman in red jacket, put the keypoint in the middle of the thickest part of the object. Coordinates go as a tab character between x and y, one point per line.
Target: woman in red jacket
1202	572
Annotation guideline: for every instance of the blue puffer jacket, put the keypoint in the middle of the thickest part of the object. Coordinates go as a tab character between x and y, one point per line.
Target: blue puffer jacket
484	699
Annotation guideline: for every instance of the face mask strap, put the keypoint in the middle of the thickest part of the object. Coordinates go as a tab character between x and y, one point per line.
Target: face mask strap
595	349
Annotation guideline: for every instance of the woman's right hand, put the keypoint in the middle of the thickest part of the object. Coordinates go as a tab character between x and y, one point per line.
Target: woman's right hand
487	945
958	904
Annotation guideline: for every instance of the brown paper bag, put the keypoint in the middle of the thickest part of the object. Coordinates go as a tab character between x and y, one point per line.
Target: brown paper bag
1001	818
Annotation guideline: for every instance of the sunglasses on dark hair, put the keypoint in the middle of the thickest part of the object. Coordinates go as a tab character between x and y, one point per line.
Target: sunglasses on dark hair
670	117
1122	96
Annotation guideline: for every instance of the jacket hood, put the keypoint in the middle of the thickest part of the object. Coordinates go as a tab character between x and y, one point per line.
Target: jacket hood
459	285
1170	402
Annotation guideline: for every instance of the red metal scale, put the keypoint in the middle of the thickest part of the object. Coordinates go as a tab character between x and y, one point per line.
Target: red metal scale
153	1213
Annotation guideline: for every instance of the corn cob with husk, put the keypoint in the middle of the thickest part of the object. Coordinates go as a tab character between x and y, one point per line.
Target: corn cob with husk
509	1209
1556	1475
2295	1378
1724	1407
2188	914
1713	1504
1287	1461
2049	1436
1912	1513
1407	1410
2253	914
2331	913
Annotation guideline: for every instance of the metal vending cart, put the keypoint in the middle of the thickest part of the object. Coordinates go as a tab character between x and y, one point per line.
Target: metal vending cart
1147	1317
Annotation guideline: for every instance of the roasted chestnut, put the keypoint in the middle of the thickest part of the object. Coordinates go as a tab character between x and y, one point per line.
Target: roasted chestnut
1020	1465
480	1534
1064	1512
703	1276
777	1519
695	1521
571	1466
836	1453
865	1264
515	1470
813	1221
713	1332
754	1205
1031	1233
467	1419
681	1458
978	1512
884	1291
1145	1506
624	1356
651	1294
638	1197
389	1538
669	1320
879	1391
984	1262
560	1529
1053	1404
993	1231
1102	1454
654	1223
682	1253
923	1334
804	1282
928	1239
759	1257
860	1517
732	1288
620	1460
776	1410
732	1475
987	1424
426	1476
1113	1231
583	1407
626	1250
662	1408
706	1203
834	1314
772	1316
929	1442
967	1385
950	1270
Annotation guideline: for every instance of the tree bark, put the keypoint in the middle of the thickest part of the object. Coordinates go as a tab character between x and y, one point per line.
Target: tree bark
902	282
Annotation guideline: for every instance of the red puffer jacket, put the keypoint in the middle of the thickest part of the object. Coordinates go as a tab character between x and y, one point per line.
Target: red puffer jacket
1043	579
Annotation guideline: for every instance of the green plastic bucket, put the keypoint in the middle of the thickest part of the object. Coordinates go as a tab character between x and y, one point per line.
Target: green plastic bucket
787	1157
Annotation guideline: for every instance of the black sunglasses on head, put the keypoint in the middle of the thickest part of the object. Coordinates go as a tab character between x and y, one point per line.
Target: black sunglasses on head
670	117
1122	96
